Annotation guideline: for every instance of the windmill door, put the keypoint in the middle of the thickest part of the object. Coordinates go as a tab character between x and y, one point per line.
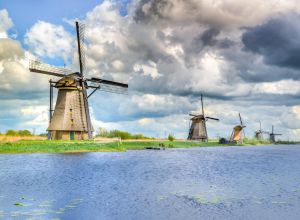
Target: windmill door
72	135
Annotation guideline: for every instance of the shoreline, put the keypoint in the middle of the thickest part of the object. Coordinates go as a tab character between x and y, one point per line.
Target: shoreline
73	147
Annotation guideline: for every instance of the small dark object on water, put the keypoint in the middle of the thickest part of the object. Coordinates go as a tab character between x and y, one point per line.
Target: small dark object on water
161	146
153	148
223	141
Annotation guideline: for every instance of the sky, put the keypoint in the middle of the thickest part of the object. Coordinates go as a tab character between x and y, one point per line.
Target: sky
244	56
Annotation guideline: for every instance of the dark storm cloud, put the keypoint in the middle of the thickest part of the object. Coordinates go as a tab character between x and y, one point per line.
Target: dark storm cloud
154	9
208	39
270	99
209	36
278	41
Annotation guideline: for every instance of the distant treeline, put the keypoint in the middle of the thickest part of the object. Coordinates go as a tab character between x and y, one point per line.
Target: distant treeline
17	133
124	135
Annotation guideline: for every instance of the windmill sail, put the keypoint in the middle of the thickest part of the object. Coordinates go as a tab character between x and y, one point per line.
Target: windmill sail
43	68
81	56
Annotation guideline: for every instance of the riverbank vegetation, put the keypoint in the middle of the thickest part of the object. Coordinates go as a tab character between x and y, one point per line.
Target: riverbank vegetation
105	141
107	145
45	146
123	135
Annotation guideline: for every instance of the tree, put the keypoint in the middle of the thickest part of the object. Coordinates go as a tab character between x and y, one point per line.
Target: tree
102	132
11	133
24	133
171	137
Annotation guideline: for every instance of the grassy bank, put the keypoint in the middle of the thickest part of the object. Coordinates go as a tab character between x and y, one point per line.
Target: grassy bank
45	146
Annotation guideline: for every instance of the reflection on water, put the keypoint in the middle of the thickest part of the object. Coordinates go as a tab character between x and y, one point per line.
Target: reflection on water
199	183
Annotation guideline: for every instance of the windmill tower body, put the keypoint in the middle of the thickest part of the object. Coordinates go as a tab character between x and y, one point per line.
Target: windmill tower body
272	135
259	134
69	121
198	129
238	132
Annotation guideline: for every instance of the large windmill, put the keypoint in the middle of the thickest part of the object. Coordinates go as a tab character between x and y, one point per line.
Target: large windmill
272	135
71	117
238	132
197	126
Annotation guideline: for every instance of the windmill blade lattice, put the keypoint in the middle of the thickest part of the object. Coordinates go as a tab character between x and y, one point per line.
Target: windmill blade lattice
109	88
43	68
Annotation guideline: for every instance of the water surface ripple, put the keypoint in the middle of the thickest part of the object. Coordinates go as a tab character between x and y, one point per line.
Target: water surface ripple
199	183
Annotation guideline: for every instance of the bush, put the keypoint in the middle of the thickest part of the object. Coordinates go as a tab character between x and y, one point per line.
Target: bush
18	133
120	134
171	137
24	133
124	135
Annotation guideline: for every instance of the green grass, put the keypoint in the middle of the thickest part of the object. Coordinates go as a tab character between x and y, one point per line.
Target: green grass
56	147
45	146
254	141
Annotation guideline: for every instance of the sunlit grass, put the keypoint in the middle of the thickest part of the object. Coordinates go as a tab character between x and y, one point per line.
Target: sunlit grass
7	138
46	146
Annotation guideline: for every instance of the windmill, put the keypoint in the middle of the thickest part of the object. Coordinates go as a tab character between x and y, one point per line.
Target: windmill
197	126
70	120
259	134
272	135
238	132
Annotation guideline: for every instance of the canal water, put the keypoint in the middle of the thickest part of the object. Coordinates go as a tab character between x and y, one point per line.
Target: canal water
199	183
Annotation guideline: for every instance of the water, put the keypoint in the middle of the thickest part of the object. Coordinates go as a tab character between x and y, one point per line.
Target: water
198	183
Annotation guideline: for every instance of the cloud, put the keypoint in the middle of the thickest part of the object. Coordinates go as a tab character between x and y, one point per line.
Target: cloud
5	23
276	40
280	87
10	49
48	40
217	14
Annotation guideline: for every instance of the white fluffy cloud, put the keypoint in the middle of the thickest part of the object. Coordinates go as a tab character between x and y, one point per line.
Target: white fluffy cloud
5	23
280	87
49	40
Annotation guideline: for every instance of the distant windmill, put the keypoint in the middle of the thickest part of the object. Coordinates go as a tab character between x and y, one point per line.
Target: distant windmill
272	135
197	126
238	132
259	134
71	117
